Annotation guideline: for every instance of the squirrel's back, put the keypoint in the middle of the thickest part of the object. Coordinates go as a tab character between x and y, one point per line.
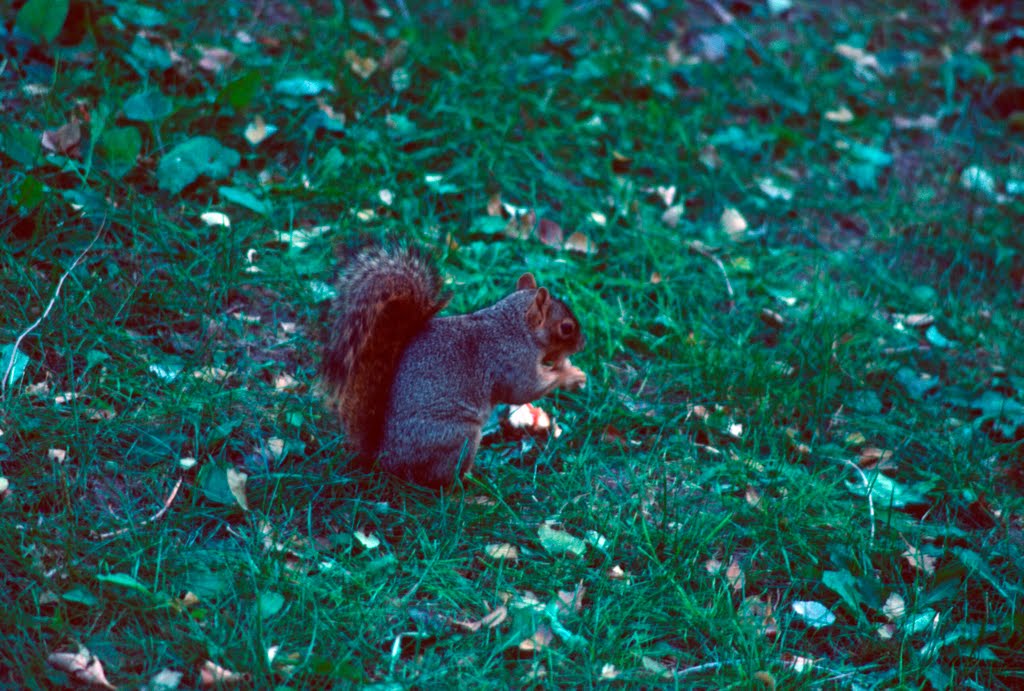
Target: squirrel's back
384	299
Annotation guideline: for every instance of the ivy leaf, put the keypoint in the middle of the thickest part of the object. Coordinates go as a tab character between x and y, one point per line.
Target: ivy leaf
42	19
147	106
182	165
119	148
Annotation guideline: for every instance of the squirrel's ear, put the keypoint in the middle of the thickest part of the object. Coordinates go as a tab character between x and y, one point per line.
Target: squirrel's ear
537	312
526	281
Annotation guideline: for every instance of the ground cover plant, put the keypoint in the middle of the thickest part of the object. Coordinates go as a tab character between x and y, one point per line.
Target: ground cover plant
790	231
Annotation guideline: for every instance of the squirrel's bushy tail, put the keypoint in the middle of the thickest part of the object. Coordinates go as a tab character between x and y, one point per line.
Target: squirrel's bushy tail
384	299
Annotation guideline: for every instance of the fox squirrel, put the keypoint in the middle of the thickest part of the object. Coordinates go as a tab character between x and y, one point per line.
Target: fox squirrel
414	389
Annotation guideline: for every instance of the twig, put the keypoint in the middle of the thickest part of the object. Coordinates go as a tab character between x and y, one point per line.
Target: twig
45	314
700	668
155	517
701	249
867	486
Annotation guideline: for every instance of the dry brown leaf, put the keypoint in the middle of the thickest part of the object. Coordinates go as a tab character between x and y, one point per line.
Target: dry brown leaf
666	194
285	382
840	114
734	574
494	205
550	233
572	601
503	551
920	561
655	278
753	497
215	59
672	215
608	671
872	457
617	573
57	455
921	122
64	139
520	224
860	57
733	223
211	674
578	242
236	483
765	678
895	607
83	666
918	321
540	640
361	67
492	619
256	131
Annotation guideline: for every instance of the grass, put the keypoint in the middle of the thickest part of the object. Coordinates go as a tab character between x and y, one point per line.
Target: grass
711	475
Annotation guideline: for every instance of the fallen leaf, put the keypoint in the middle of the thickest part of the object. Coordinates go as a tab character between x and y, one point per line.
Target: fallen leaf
258	130
921	122
813	613
571	601
667	194
860	57
578	242
215	59
608	671
187	462
599	218
655	278
503	551
556	540
734	574
494	205
211	674
774	190
83	666
63	140
285	382
361	67
550	233
541	639
872	457
733	223
215	218
520	224
617	573
236	484
895	607
164	680
798	663
57	455
920	561
840	114
386	196
367	541
672	215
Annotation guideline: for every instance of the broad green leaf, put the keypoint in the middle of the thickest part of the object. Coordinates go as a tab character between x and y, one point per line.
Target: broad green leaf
147	106
557	541
31	192
240	92
870	154
150	55
214	483
302	86
119	149
886	491
140	15
123	580
81	596
20	361
270	604
20	144
182	165
42	19
993	404
917	385
243	197
845	585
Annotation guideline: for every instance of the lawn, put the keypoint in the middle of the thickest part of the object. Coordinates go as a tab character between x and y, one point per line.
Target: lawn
790	231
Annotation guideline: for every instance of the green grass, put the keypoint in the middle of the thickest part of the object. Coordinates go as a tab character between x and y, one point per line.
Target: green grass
710	430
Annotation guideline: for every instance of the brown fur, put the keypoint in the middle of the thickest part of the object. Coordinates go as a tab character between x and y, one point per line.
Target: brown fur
384	300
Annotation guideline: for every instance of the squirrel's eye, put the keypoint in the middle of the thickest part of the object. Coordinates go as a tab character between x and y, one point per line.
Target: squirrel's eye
566	328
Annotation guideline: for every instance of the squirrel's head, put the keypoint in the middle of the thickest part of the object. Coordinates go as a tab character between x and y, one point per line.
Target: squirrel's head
552	322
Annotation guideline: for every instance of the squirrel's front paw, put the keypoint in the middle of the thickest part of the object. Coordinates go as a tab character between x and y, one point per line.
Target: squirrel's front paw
571	377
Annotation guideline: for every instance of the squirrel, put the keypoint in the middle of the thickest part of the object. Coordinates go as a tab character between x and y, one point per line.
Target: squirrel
414	389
